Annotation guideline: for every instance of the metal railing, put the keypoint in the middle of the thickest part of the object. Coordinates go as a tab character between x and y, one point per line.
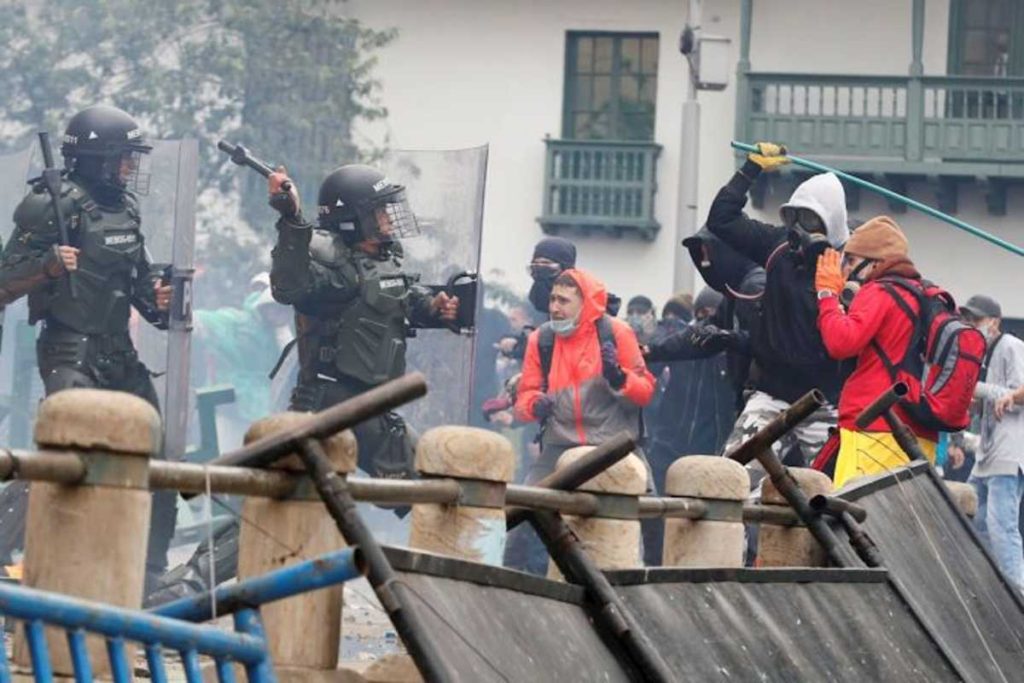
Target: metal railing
600	186
903	118
167	627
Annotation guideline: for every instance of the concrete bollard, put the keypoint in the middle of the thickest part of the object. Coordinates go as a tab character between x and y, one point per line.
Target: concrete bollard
781	546
89	540
723	484
612	543
475	528
965	496
303	632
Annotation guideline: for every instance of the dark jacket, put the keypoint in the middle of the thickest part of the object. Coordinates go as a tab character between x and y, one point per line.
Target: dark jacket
786	346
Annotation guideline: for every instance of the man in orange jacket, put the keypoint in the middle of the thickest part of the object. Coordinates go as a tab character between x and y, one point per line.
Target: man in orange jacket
584	378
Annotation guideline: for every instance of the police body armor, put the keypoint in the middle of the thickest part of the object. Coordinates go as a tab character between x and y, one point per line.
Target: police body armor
111	252
361	334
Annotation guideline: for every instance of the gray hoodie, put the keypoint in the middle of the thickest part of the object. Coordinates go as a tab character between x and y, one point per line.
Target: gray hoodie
823	194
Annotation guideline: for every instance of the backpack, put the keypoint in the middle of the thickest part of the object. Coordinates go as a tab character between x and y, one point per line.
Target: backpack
942	362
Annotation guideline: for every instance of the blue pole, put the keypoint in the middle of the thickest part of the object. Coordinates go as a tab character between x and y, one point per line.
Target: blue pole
889	194
303	577
36	606
79	655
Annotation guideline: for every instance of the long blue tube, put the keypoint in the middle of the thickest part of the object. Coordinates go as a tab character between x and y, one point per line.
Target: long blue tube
36	607
326	570
889	194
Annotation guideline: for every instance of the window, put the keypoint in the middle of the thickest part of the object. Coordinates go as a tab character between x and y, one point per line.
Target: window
610	86
985	37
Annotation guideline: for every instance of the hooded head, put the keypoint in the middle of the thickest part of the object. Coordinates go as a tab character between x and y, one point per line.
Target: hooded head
722	267
823	194
551	256
593	301
877	248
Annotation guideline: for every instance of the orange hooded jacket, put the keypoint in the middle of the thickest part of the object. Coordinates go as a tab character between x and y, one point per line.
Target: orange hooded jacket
586	409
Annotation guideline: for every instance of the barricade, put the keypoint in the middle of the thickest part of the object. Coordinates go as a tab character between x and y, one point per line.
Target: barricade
483	463
789	546
304	631
717	538
114	434
612	535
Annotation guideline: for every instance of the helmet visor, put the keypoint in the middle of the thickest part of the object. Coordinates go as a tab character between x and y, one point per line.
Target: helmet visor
394	218
133	172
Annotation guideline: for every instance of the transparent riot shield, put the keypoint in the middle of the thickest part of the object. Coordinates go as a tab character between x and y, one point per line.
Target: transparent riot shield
20	386
168	223
446	192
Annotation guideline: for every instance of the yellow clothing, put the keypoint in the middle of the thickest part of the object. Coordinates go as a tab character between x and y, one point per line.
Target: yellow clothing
862	453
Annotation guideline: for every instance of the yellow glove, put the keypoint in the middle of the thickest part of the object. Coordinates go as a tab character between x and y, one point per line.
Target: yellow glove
769	156
829	275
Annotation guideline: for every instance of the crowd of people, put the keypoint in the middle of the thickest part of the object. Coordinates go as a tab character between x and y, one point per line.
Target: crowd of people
819	302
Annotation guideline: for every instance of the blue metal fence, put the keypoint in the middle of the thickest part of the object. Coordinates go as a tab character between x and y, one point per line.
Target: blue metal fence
168	627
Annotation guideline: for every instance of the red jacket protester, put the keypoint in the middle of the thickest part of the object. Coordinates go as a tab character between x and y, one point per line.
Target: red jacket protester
586	409
873	315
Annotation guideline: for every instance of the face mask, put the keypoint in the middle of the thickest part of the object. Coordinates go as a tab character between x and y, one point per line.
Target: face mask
564	328
643	324
990	332
540	292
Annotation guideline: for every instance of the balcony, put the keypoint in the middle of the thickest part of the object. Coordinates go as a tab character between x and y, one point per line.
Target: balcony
950	127
600	187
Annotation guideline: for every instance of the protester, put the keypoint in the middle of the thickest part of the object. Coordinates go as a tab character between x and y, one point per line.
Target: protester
786	346
584	379
997	475
642	318
880	331
551	256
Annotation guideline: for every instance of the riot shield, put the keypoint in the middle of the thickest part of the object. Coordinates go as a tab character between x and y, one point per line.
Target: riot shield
20	386
446	192
168	223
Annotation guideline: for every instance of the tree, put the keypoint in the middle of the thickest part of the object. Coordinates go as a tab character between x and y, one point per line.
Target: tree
288	78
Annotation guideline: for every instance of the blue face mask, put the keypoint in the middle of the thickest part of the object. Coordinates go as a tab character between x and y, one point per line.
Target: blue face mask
563	328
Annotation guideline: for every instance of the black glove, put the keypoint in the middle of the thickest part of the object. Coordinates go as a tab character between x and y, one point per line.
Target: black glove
543	407
712	339
610	366
284	204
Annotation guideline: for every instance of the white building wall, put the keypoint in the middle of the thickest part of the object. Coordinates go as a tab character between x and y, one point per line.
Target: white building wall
468	72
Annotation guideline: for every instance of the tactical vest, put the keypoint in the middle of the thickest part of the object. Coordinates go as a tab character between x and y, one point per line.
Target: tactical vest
111	250
359	333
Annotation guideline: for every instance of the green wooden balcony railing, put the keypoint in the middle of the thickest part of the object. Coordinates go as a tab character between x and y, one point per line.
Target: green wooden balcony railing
600	186
892	124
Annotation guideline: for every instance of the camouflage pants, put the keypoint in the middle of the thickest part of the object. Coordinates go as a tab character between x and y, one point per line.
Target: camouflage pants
796	448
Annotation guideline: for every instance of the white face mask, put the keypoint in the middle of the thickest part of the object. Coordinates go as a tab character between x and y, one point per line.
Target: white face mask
991	331
563	328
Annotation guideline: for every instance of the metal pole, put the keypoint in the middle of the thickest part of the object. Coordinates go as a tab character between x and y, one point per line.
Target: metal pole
394	595
777	428
610	611
580	472
881	404
327	422
889	194
689	172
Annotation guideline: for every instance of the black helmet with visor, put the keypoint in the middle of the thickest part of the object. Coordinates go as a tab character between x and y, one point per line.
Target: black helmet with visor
105	146
360	203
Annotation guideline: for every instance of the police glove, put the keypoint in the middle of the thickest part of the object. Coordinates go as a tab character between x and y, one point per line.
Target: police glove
769	156
284	197
543	407
610	366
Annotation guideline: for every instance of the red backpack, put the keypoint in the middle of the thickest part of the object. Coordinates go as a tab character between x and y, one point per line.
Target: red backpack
943	359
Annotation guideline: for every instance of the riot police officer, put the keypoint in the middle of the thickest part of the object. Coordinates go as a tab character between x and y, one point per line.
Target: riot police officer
84	341
354	304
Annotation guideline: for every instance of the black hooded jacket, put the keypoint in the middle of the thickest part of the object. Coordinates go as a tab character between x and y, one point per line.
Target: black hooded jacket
789	355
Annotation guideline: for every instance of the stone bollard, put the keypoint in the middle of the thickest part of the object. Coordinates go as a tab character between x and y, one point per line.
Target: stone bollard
965	496
782	546
611	543
89	540
718	541
303	632
475	528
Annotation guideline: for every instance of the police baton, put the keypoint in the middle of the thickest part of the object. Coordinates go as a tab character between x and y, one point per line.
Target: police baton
51	178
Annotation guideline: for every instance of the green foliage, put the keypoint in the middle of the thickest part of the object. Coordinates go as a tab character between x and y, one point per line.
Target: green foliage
288	78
